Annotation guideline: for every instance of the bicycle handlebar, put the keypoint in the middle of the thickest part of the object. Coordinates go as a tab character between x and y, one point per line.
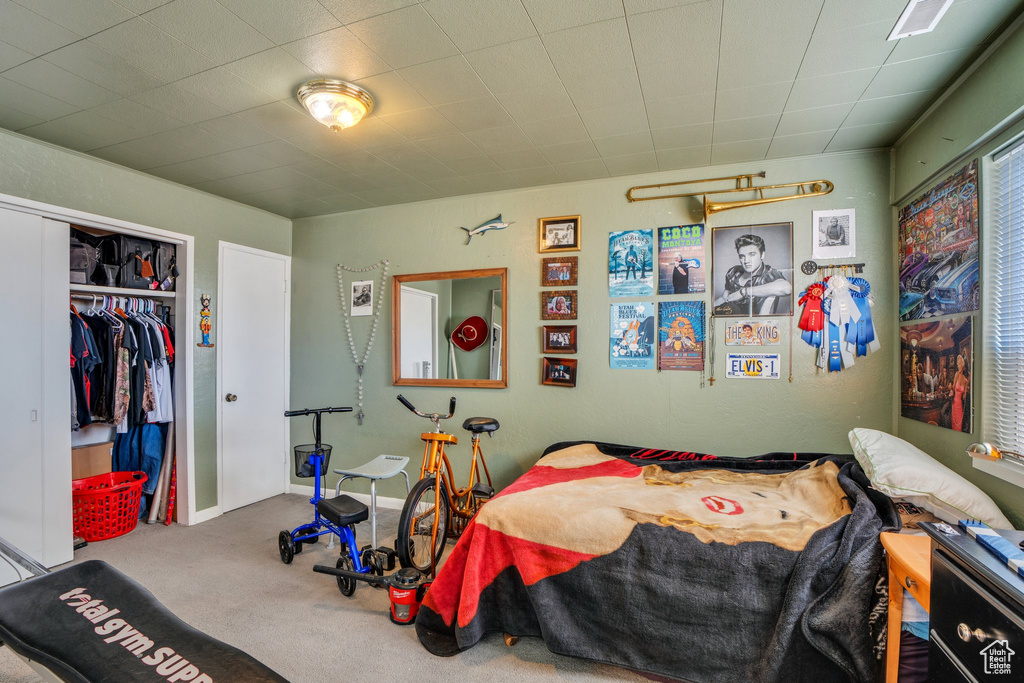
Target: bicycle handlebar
311	411
430	416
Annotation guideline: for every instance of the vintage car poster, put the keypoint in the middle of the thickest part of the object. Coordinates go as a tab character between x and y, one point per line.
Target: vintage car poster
631	263
752	332
681	259
681	335
937	373
753	366
938	248
632	336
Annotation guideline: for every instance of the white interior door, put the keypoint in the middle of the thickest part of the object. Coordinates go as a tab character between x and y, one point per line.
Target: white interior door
252	359
419	334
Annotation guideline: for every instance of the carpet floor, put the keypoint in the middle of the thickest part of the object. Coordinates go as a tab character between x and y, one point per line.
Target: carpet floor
225	577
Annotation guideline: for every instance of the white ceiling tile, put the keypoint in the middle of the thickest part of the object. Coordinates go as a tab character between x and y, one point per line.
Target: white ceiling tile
684	110
56	82
283	22
541	102
159	151
104	132
733	152
966	25
799	145
180	104
514	66
519	159
235	130
449	147
863	137
494	141
231	188
140	6
11	56
805	121
281	120
582	170
420	124
570	152
595	50
847	49
147	47
282	153
403	153
555	131
926	73
194	142
738	130
741	103
809	93
209	28
472	165
348	11
346	202
93	63
415	193
59	133
404	37
239	161
445	80
677	49
337	54
492	182
617	120
26	30
12	119
625	144
377	197
541	175
764	41
888	109
696	135
471	115
273	71
629	164
554	16
226	89
323	142
370	134
84	17
138	116
449	187
191	172
122	154
840	14
600	93
641	6
429	170
684	157
33	102
481	23
392	94
324	171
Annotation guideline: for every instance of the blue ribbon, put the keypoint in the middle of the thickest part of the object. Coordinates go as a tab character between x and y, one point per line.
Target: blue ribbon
835	356
864	333
812	337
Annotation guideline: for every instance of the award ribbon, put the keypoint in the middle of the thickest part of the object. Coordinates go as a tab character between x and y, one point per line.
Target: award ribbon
832	341
862	336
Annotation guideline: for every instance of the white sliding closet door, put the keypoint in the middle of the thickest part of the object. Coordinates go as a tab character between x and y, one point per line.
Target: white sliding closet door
35	404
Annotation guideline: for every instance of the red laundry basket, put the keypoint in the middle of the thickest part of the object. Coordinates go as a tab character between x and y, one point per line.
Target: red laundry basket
106	505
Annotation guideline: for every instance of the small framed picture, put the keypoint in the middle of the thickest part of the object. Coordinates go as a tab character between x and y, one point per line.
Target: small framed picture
559	372
834	234
558	271
559	304
560	233
362	298
559	339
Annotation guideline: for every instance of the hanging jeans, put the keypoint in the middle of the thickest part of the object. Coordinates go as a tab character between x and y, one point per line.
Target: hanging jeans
141	449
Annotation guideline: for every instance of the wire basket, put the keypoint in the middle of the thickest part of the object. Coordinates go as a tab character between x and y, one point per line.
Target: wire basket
304	466
106	505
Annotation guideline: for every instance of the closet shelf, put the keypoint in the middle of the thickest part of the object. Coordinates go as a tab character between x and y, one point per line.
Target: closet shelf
121	291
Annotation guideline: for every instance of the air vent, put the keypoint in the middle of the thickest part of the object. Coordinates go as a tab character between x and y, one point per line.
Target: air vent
920	16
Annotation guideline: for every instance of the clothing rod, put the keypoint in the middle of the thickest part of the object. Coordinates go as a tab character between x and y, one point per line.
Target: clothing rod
99	297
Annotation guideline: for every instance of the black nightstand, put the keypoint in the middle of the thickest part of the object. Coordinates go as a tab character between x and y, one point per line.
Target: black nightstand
977	611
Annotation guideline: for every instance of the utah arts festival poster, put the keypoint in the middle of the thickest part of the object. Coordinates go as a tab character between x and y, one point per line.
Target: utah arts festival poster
681	335
681	259
631	263
632	336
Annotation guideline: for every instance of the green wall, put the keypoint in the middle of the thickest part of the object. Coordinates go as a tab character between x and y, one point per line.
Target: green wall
991	97
45	173
669	410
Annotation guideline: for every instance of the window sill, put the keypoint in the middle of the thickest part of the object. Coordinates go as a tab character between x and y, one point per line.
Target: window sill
1006	470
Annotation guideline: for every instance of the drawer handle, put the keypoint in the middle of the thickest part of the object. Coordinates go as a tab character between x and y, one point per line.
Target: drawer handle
910	582
964	632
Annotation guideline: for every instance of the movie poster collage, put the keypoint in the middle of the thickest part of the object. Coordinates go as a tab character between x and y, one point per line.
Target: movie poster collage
559	235
939	289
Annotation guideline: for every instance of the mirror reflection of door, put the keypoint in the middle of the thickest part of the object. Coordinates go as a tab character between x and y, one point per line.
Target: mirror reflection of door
419	333
496	336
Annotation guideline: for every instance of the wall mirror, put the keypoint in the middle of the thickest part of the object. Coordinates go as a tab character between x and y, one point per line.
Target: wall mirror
448	329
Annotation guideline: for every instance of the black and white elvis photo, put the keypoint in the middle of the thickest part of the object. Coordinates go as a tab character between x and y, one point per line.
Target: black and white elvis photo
752	270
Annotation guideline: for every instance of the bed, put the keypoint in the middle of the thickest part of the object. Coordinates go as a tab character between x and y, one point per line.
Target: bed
676	564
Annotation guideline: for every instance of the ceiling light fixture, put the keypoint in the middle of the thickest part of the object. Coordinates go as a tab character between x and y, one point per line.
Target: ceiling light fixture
336	104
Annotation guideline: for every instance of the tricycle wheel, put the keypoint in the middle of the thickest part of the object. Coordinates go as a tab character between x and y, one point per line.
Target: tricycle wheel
285	546
346	585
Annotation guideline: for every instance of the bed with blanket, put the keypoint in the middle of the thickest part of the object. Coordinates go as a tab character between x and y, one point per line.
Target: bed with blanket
677	564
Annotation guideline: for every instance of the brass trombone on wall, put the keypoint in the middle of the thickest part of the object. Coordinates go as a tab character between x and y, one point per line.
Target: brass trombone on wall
744	183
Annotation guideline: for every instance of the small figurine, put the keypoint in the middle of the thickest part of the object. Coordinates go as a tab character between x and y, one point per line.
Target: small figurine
204	320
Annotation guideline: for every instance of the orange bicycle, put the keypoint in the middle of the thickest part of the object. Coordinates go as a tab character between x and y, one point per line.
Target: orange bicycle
435	509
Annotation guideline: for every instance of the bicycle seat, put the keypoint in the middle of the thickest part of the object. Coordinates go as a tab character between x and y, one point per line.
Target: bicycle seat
478	425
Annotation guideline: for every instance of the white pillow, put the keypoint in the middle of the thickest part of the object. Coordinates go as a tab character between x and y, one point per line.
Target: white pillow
901	470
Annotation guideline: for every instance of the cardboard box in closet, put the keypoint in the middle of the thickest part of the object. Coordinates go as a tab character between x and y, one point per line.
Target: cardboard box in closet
88	461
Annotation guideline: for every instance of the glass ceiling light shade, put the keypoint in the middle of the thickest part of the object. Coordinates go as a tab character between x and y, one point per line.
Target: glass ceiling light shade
336	104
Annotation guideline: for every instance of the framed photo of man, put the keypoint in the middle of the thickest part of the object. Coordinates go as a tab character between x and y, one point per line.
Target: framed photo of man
752	270
559	304
558	271
559	339
834	233
559	372
361	302
560	233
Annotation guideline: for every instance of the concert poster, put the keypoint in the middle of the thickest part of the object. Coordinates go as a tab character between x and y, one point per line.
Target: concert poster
632	336
681	259
681	335
631	263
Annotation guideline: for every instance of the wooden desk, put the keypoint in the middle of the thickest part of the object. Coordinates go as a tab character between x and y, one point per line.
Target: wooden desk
910	569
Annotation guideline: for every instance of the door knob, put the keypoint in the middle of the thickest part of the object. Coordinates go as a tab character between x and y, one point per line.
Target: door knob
230	398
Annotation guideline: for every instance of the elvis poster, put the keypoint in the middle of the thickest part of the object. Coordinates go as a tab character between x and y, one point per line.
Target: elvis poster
764	332
681	259
938	248
681	335
631	263
632	336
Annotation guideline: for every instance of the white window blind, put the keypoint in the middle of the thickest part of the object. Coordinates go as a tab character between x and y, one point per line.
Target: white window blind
1003	341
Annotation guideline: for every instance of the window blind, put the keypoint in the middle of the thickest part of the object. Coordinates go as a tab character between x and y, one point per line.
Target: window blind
1003	341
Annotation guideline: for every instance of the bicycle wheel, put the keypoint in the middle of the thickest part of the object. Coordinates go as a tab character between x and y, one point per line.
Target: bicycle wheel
416	524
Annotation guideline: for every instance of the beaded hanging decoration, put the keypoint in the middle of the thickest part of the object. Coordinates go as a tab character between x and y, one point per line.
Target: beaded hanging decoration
346	313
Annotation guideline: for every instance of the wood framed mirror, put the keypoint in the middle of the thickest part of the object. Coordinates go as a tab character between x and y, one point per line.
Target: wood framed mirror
448	329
